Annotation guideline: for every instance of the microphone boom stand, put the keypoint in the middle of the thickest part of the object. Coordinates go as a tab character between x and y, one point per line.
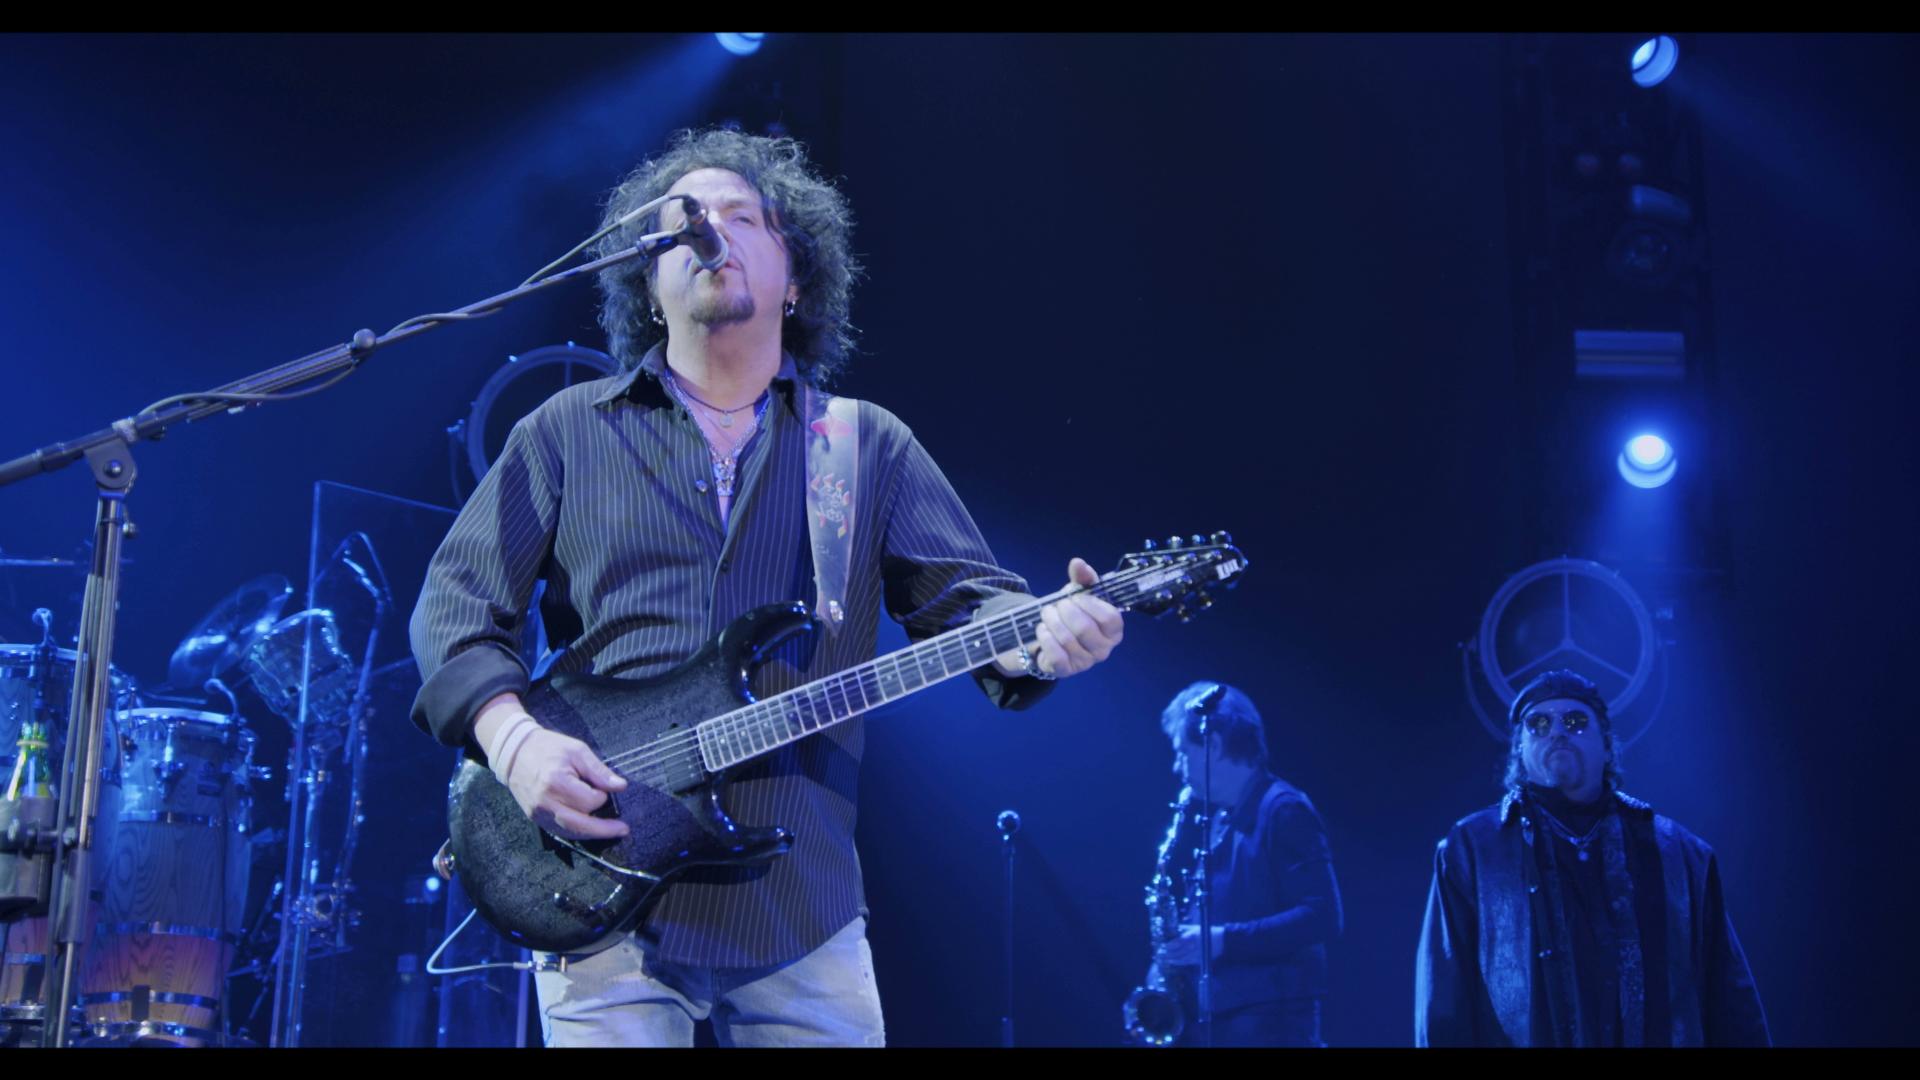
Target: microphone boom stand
108	452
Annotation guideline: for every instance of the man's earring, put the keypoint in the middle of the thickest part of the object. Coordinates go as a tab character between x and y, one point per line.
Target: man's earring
790	308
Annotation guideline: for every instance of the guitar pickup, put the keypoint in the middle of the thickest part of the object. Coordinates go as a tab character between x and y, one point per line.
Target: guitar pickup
580	908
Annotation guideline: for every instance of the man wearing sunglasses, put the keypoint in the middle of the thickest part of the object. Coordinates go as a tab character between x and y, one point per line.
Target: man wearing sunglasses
1571	914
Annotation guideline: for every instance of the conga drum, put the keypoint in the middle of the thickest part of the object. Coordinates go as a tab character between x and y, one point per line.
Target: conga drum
176	881
26	954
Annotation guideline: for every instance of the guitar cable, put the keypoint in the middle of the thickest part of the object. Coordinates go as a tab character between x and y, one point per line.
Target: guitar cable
434	968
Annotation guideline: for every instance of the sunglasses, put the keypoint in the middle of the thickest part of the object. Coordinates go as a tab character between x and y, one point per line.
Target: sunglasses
1541	723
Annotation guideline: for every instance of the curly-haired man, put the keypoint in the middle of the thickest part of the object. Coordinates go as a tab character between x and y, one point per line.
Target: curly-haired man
660	504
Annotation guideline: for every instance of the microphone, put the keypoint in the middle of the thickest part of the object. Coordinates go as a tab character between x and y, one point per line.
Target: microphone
1204	704
1008	822
699	236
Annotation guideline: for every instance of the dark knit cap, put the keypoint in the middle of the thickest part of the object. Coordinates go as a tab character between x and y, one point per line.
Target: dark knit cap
1560	684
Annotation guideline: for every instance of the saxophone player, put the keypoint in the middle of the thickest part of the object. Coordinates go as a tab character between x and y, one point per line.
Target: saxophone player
1275	903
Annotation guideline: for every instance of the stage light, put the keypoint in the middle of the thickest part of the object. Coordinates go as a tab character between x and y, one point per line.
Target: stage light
740	44
433	884
1647	462
1655	59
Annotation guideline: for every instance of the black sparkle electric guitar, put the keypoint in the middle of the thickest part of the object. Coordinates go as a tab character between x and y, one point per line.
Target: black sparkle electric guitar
676	738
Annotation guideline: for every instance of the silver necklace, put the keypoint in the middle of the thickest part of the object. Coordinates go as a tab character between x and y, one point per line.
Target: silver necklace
723	417
726	467
1579	843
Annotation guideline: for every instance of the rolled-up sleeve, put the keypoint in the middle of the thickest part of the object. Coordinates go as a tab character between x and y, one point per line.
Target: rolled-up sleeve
466	628
938	571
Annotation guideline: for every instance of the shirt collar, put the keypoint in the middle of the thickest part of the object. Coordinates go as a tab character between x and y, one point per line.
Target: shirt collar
644	379
1515	798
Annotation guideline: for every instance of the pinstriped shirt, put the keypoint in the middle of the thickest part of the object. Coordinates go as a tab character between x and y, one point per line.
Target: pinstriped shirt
606	491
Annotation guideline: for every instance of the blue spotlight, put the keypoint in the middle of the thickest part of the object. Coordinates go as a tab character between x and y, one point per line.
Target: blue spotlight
433	884
741	44
1655	59
1647	462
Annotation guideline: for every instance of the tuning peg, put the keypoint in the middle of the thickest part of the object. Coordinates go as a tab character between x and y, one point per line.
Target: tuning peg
1148	545
1174	542
1197	541
1223	538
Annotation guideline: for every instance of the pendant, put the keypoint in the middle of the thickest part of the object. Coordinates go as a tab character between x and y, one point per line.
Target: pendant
1583	854
723	479
726	419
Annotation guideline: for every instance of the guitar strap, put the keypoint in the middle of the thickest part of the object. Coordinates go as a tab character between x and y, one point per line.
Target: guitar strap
833	475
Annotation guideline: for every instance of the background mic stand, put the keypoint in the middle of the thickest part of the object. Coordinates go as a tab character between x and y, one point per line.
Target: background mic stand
1202	883
1009	824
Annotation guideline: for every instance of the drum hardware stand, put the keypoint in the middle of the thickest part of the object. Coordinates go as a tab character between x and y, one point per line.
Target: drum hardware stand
108	454
314	906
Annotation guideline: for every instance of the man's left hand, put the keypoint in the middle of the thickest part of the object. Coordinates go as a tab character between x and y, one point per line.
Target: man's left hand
1079	631
1184	951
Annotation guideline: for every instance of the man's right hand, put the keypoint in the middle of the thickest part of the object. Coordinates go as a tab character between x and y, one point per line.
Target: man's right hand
556	779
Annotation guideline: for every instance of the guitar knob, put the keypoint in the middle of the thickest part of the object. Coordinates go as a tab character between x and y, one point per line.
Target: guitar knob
1203	601
1183	614
1223	538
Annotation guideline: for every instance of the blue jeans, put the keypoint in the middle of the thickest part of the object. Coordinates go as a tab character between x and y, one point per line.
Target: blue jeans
627	996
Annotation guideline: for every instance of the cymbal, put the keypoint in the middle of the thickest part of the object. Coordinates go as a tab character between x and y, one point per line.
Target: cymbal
224	635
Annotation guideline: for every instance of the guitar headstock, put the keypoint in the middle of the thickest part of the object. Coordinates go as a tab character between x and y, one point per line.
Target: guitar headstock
1173	577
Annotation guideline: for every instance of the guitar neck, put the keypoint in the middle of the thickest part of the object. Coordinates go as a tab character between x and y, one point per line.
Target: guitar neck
769	724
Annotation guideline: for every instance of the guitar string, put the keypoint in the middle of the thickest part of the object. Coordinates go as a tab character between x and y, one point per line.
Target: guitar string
749	727
745	727
742	722
677	750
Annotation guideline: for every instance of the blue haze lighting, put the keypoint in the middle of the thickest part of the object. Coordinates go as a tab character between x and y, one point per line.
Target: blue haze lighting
1647	462
1655	59
740	44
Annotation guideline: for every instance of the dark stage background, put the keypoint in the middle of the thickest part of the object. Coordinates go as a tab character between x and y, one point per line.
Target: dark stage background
1264	284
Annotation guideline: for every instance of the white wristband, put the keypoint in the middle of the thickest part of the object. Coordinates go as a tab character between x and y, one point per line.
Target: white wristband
520	738
499	753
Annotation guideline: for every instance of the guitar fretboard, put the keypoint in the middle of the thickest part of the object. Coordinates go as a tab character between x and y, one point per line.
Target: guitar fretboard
769	724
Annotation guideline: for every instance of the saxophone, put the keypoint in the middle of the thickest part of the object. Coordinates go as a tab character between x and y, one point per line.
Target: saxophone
1156	1011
